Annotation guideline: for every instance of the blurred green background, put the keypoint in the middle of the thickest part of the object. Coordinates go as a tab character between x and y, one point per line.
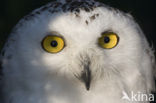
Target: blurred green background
11	11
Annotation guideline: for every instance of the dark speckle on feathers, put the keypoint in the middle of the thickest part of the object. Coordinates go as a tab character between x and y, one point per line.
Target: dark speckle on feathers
44	8
80	5
97	15
30	16
86	22
64	7
77	10
57	4
87	9
76	4
77	15
92	17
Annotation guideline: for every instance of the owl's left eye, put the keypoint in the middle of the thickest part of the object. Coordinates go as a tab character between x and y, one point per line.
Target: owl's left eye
53	44
108	40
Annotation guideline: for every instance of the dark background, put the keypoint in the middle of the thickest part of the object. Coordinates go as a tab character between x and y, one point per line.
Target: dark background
11	11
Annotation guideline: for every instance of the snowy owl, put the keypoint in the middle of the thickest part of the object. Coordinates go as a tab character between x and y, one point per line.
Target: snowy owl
77	51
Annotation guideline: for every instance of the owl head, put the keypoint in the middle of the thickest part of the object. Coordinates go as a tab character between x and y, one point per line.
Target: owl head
76	47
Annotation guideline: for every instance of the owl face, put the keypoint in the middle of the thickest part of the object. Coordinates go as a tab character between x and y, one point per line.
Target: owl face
86	48
103	41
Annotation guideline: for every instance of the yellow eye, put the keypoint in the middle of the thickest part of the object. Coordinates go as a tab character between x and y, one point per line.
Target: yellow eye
108	40
53	44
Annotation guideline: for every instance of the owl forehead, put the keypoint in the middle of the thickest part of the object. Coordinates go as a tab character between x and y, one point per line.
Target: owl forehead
73	14
76	12
66	6
70	23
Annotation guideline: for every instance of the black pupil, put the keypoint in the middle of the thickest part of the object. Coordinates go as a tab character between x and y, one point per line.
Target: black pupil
106	39
54	43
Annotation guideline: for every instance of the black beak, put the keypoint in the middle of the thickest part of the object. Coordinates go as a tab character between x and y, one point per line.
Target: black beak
86	77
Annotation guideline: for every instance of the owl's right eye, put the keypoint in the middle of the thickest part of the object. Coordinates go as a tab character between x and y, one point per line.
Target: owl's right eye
53	44
108	40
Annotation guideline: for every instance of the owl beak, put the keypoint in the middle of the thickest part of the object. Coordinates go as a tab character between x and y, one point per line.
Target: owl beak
86	77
